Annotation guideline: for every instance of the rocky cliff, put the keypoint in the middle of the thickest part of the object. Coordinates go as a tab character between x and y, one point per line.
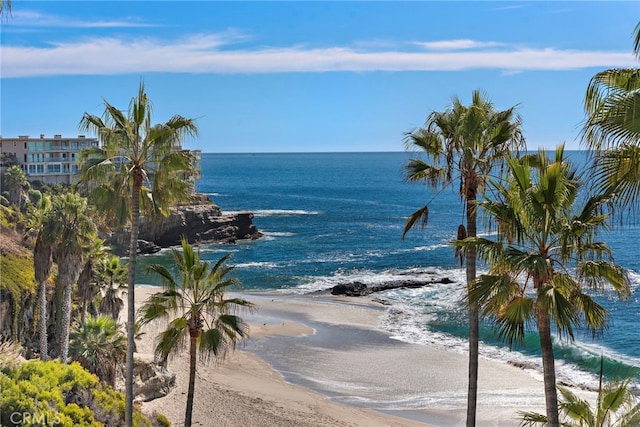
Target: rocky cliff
202	223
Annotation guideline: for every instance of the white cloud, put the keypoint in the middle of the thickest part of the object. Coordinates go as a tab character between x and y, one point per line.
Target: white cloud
26	18
212	54
459	44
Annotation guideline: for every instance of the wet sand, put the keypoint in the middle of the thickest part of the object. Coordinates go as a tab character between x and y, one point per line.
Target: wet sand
324	361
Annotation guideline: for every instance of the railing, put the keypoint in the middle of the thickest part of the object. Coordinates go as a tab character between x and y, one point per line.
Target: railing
52	159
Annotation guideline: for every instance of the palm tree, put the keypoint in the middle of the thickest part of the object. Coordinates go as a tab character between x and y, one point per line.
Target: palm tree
616	406
112	277
137	163
545	256
41	224
196	295
98	344
612	128
15	181
74	231
86	287
464	144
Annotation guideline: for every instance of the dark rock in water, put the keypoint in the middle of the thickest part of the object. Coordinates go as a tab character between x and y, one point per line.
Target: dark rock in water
358	289
355	289
146	248
199	223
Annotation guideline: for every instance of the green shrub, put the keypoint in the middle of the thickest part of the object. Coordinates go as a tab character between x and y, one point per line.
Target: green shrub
18	289
160	420
52	393
17	275
35	196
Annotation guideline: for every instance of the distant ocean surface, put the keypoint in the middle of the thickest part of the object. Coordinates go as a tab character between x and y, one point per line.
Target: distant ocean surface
331	218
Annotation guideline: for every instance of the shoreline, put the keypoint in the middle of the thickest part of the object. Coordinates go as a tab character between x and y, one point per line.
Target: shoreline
323	360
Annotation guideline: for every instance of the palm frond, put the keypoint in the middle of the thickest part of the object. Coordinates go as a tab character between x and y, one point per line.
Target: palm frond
421	216
575	408
172	339
531	419
598	273
514	318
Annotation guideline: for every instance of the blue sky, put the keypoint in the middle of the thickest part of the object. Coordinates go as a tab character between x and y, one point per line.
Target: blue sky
307	76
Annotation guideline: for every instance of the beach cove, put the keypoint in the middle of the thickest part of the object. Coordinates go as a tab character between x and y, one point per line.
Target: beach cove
324	361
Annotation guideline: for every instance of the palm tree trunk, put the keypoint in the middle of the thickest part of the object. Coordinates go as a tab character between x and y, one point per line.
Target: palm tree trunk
68	272
192	378
548	367
42	268
131	305
84	287
42	300
66	323
474	322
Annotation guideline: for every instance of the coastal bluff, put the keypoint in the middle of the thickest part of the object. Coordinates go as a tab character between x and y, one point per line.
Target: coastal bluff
201	221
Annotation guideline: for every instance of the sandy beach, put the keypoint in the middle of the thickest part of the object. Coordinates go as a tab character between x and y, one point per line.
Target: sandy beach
335	367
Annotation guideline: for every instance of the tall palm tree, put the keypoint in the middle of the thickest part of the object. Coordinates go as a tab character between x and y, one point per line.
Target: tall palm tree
545	259
98	344
40	223
195	298
95	254
612	128
15	181
463	144
112	277
74	231
138	163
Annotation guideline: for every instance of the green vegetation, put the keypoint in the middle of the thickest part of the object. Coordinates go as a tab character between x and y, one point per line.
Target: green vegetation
98	344
17	291
463	144
17	275
202	313
612	129
616	406
146	154
161	420
544	230
112	277
53	393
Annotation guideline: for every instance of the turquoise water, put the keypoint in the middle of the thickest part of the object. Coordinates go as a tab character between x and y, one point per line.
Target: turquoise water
330	218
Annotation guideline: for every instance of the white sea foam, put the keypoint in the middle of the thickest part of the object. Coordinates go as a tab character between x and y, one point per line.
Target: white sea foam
257	264
281	212
213	249
634	278
414	309
278	234
428	248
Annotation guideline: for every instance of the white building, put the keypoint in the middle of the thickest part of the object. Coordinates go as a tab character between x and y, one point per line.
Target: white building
51	160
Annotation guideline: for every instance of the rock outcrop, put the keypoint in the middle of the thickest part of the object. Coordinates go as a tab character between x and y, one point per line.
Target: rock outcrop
358	289
203	222
151	381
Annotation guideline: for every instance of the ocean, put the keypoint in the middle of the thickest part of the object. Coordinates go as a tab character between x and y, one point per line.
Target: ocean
331	218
